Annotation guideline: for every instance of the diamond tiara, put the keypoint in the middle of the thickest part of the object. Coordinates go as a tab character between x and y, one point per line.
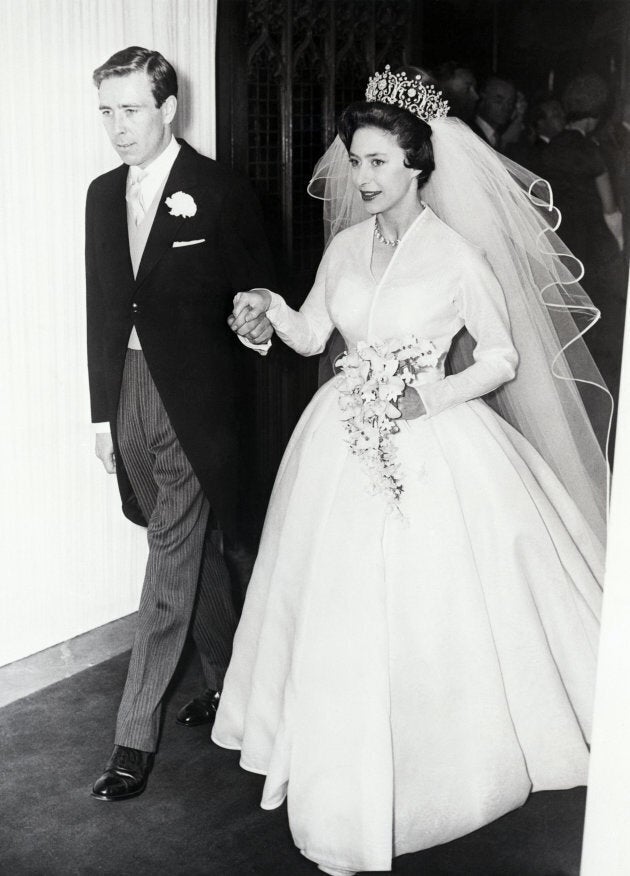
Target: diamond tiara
410	94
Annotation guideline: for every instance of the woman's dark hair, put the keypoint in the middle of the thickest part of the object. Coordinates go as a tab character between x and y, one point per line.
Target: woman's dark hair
413	135
138	60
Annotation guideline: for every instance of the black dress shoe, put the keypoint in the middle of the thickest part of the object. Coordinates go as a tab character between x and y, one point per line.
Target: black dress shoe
125	775
201	710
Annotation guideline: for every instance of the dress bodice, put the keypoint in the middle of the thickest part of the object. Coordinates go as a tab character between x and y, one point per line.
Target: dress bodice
435	284
415	295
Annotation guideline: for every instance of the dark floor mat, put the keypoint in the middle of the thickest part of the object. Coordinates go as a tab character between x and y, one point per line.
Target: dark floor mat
200	814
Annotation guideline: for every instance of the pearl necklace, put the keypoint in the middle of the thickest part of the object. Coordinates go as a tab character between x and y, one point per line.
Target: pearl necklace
378	234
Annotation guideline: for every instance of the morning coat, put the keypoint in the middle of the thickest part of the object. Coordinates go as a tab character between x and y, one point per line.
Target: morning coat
179	303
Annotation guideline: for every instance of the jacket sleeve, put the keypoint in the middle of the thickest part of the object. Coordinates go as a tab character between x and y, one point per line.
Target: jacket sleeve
481	305
243	241
95	317
307	330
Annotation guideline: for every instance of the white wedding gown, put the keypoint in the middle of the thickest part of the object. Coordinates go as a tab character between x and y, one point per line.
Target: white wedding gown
405	681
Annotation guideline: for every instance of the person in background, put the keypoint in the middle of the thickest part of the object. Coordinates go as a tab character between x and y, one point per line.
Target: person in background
623	173
515	135
547	119
613	137
495	110
543	121
458	85
592	225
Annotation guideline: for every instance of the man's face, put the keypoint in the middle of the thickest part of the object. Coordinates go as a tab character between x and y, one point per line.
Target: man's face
464	84
463	91
139	130
552	120
497	103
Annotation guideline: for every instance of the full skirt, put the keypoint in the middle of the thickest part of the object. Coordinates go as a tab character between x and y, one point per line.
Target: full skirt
404	679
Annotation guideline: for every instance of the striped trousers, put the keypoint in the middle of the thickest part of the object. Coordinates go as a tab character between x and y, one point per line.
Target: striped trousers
185	574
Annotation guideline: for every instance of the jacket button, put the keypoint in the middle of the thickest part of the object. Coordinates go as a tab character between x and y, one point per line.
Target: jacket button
135	307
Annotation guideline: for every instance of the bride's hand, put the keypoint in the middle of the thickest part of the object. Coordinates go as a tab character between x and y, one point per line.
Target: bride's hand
410	404
249	312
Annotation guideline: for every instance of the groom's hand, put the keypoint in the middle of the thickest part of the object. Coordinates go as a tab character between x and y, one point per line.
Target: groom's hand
104	449
257	330
248	318
261	330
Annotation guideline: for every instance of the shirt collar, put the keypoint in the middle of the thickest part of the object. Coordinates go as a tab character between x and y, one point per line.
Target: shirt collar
158	170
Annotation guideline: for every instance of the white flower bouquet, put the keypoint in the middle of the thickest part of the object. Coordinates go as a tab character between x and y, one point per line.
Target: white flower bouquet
373	377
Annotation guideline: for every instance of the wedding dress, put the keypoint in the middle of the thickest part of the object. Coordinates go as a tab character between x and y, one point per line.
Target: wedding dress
405	678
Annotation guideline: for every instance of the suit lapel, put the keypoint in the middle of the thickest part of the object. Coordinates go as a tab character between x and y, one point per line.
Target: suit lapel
165	226
114	231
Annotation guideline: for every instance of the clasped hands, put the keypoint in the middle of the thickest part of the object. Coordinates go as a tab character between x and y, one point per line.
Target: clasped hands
248	318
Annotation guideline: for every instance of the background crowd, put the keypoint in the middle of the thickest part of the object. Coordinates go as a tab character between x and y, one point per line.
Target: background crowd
578	140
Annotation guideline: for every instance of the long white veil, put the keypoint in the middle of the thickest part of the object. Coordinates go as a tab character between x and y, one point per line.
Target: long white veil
558	399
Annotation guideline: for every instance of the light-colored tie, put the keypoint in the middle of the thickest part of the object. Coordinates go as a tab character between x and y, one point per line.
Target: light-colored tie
134	194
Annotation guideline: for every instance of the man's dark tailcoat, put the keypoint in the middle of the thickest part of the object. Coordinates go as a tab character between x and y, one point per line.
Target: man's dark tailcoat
179	303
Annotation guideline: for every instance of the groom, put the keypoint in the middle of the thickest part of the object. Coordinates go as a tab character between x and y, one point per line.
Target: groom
170	237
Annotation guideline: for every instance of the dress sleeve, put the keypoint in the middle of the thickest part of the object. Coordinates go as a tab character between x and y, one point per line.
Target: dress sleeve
481	305
307	330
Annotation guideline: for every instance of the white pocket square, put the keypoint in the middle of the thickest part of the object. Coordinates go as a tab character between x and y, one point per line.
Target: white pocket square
188	242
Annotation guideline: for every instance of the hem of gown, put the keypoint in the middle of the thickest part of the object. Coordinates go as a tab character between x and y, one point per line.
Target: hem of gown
340	868
269	807
249	769
224	744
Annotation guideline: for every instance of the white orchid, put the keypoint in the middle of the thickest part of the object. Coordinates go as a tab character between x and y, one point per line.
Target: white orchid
373	377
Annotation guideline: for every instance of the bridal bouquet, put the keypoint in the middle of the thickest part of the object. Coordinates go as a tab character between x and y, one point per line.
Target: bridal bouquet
372	379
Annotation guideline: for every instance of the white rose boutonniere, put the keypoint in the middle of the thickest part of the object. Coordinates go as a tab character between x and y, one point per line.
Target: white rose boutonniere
181	204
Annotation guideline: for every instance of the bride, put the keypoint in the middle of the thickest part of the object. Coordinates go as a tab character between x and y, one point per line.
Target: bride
412	661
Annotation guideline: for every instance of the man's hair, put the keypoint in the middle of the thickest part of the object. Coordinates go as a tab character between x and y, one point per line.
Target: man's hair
411	72
448	70
138	60
492	80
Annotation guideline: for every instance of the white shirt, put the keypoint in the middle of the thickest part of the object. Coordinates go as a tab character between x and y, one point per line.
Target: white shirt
154	177
156	173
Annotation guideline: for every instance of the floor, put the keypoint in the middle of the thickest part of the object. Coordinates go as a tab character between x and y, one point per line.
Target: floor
200	815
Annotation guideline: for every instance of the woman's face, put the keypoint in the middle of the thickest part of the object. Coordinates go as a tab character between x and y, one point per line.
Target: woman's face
379	172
